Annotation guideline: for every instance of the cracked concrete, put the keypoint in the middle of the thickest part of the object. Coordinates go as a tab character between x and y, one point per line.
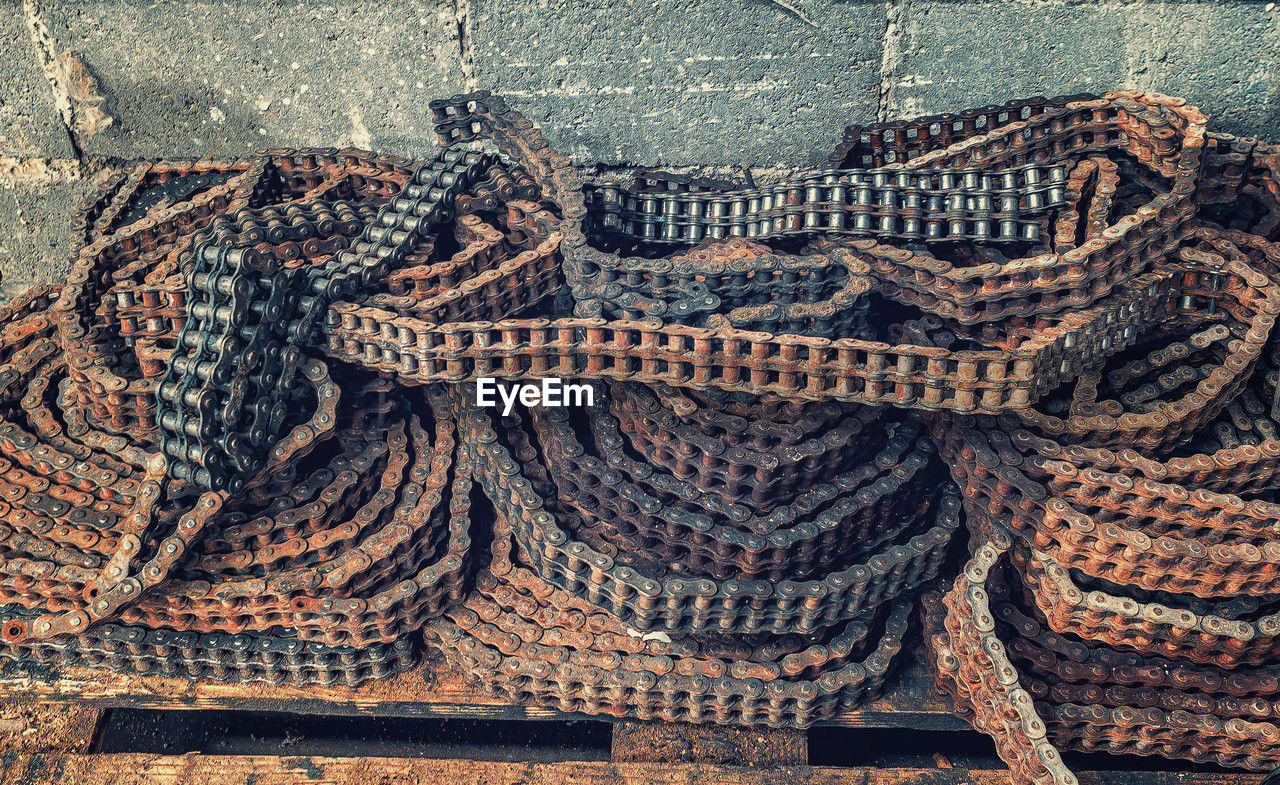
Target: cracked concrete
28	172
73	87
466	52
35	225
226	77
890	61
41	174
30	123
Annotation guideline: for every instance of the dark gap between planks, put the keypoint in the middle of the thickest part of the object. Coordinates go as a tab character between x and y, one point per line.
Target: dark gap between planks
223	732
163	732
902	748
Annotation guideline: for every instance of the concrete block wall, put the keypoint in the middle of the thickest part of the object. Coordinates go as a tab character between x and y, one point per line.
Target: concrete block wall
86	85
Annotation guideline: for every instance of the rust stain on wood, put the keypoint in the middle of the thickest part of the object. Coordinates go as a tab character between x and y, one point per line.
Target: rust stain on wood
657	742
43	727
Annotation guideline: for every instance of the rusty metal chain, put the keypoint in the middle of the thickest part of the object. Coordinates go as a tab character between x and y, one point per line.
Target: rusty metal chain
649	597
881	144
1133	576
311	578
1163	135
218	656
640	512
1039	355
741	284
524	640
347	555
1028	687
761	453
1081	292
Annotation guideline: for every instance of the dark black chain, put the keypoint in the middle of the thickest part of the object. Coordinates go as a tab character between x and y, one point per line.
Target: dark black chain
227	388
959	204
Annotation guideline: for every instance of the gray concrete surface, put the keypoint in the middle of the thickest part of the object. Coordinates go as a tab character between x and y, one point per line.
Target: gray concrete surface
720	82
29	124
673	82
225	77
1221	55
35	233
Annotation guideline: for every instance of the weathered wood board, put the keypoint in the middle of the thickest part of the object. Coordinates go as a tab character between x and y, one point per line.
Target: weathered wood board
196	769
431	690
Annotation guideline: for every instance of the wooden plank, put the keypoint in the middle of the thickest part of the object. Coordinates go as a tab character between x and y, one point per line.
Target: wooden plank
431	690
682	742
196	769
426	691
46	727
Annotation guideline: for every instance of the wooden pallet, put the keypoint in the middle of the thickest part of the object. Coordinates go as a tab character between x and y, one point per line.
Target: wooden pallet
51	723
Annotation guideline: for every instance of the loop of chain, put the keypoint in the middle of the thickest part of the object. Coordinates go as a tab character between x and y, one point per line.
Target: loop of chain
649	597
934	205
525	640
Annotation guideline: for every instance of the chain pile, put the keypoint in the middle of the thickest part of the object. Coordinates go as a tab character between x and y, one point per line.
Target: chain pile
1122	592
711	557
94	547
662	553
322	564
227	452
1030	688
1047	160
